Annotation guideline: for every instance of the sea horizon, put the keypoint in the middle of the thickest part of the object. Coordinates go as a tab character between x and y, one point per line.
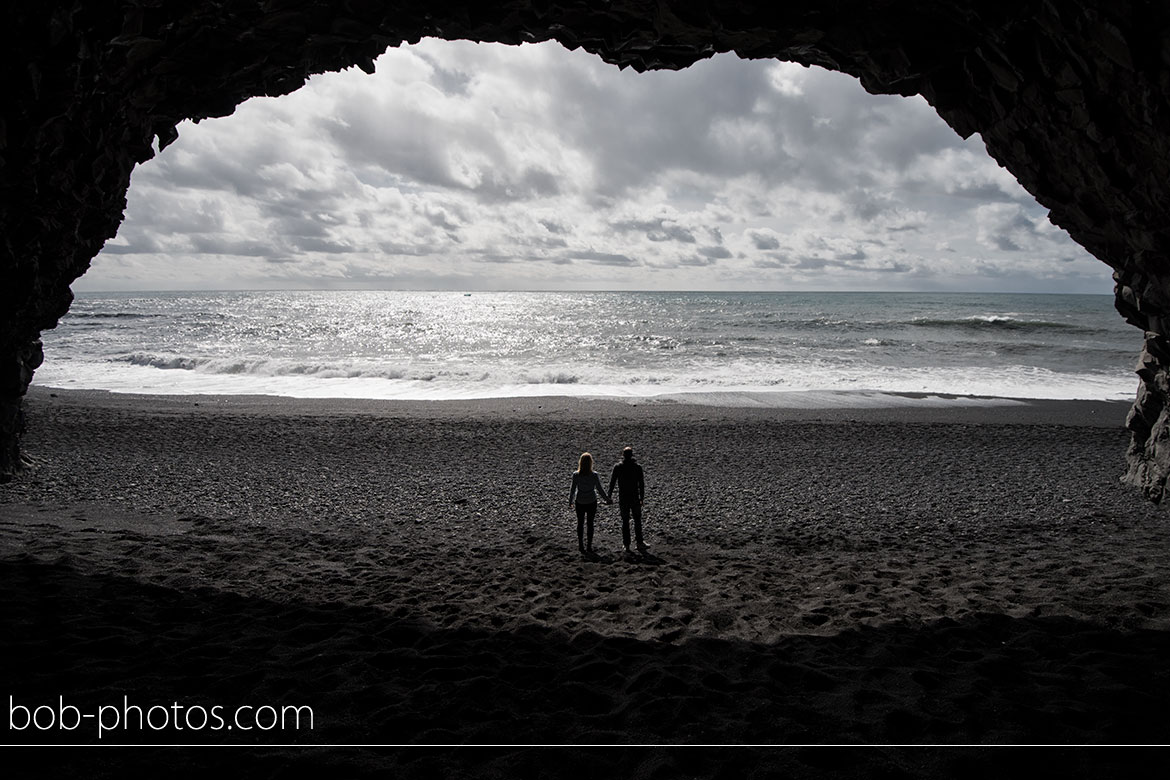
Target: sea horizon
599	291
715	347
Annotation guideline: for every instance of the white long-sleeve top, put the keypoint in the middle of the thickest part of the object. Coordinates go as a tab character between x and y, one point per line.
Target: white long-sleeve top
586	488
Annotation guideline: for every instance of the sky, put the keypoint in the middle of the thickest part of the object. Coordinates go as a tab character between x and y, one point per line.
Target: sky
480	166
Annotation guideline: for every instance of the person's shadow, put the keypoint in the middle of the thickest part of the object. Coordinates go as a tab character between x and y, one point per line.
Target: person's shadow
595	557
647	558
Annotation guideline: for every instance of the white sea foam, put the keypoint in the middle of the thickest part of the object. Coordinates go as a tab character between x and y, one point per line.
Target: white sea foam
1005	383
731	348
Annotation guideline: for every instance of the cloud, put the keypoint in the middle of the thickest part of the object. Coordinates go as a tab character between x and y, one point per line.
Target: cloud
715	252
764	239
217	245
1008	228
658	229
491	166
601	258
553	226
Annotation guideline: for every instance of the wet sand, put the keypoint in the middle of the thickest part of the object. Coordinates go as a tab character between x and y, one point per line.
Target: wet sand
918	575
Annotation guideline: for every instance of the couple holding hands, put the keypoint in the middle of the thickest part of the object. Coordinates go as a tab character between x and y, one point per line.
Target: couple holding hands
627	475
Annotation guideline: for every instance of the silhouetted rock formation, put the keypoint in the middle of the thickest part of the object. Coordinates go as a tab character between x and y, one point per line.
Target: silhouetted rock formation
1071	97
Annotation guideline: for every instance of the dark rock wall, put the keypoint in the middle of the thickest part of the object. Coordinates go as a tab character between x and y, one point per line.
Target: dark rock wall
1071	97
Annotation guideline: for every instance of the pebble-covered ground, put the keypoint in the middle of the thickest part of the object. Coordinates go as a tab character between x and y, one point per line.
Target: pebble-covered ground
975	575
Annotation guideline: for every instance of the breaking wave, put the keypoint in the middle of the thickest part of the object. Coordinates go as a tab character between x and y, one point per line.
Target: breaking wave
994	322
439	345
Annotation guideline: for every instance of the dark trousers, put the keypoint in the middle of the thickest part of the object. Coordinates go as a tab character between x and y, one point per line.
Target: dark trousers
633	508
585	512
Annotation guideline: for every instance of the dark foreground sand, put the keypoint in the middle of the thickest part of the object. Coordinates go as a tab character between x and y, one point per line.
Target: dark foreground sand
409	571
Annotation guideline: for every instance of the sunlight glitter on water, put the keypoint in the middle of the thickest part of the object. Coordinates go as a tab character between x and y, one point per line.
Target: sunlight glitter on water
636	345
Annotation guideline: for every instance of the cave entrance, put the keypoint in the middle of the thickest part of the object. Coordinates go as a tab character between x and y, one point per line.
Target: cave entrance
468	168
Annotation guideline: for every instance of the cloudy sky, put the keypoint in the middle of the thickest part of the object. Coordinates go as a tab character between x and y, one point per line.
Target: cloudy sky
474	166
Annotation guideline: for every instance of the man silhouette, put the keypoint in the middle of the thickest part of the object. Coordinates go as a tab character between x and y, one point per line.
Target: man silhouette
627	474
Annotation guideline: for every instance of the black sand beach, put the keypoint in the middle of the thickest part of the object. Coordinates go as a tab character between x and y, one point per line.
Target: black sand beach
939	576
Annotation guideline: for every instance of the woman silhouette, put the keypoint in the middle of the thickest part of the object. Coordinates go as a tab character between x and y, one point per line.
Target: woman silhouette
586	487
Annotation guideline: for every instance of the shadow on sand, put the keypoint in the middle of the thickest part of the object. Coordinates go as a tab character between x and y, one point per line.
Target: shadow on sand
628	556
373	677
646	558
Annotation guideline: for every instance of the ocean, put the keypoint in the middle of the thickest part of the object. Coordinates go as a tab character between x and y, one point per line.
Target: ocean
721	348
